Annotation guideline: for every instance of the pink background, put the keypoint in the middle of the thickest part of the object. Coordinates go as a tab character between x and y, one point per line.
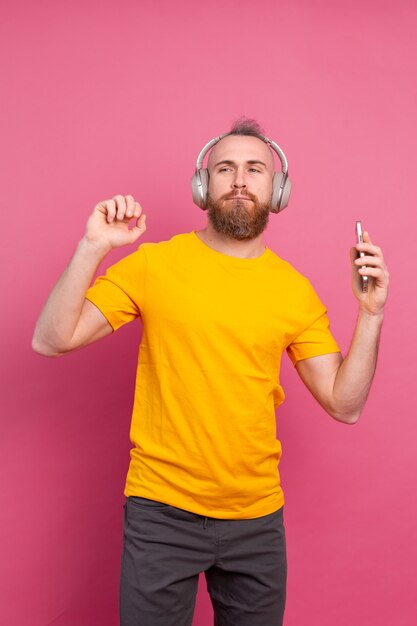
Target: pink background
109	97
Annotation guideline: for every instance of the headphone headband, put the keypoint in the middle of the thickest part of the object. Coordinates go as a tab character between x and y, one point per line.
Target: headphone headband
275	146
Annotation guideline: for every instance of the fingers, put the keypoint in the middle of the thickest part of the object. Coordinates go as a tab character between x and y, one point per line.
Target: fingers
372	264
122	204
130	206
375	261
120	208
108	208
368	247
111	210
372	255
376	272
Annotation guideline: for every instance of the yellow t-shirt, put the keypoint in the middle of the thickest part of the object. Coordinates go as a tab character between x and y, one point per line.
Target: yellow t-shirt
214	328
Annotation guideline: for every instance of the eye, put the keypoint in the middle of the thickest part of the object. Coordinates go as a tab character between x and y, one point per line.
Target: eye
253	169
223	169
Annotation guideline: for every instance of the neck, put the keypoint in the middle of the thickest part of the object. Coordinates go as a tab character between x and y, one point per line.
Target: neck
246	249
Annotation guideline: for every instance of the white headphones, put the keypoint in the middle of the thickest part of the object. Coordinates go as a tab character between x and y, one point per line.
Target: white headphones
281	184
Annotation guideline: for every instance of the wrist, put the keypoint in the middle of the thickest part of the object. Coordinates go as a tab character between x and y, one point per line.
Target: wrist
371	315
98	249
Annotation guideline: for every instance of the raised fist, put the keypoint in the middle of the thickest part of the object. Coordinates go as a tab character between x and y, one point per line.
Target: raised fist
108	225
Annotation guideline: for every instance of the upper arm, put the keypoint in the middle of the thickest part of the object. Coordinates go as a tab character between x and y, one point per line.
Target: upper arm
91	326
318	373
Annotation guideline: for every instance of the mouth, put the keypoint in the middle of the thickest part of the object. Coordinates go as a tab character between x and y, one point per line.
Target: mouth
240	198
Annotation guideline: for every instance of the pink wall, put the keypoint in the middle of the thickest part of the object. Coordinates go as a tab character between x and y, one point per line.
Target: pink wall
108	97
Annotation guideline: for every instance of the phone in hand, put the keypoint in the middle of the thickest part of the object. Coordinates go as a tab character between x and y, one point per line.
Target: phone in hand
359	239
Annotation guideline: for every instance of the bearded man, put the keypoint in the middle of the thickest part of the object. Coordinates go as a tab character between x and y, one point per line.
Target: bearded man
218	308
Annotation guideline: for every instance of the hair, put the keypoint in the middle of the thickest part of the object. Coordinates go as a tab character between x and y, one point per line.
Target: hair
246	126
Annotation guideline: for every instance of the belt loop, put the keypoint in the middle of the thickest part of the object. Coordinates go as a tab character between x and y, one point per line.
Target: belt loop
205	523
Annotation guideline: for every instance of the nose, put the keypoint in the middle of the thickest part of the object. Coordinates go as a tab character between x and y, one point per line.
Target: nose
239	180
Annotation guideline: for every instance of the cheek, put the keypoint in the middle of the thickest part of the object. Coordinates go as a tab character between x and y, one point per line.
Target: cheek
265	192
215	188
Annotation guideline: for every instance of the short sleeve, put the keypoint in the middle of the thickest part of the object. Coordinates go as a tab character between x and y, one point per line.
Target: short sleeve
120	293
314	338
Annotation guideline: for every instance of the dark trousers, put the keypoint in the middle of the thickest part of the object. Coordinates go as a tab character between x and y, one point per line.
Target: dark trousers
165	548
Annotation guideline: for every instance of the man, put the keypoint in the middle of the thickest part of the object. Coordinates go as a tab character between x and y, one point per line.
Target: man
218	308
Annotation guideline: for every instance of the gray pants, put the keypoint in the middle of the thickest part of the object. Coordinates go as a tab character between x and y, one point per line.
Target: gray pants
165	548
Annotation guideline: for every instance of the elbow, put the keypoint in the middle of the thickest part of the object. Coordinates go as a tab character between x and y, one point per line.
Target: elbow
44	349
345	412
351	420
345	418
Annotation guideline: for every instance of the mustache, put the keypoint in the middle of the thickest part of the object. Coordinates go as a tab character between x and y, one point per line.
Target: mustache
246	194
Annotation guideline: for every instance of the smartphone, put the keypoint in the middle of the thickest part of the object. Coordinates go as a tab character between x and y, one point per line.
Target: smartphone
359	239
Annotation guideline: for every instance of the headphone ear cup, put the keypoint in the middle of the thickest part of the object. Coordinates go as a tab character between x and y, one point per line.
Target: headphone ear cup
285	194
280	197
199	188
276	192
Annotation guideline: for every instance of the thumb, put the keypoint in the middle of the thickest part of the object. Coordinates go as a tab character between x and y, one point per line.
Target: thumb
353	254
139	228
366	237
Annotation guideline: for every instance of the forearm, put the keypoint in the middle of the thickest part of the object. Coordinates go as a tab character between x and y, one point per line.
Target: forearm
355	374
62	310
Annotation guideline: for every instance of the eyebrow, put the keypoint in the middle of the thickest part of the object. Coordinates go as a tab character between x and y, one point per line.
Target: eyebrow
253	162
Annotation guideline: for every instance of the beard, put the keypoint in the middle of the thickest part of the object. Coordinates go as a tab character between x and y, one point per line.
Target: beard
238	219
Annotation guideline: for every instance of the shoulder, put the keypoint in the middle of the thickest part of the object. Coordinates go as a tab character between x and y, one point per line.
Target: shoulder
166	245
300	295
168	251
291	273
